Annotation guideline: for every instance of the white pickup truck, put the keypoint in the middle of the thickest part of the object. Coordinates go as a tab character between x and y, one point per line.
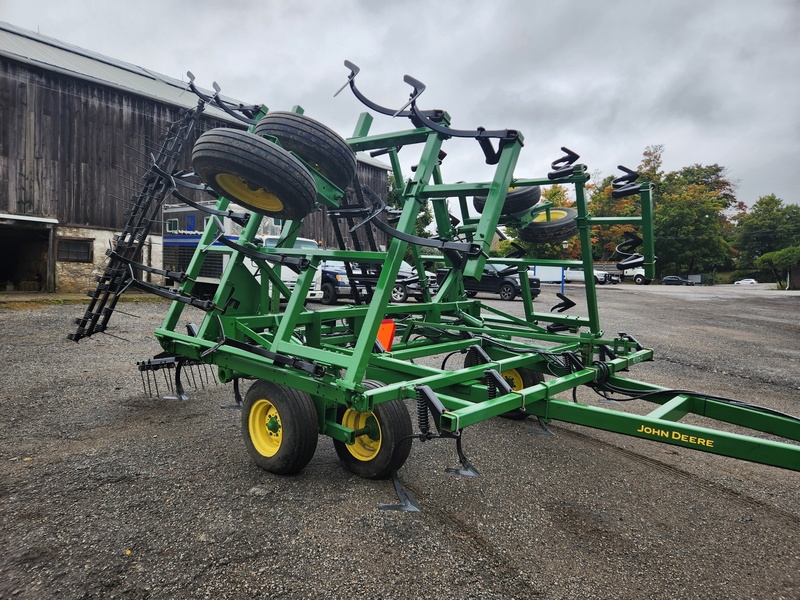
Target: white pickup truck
577	275
636	274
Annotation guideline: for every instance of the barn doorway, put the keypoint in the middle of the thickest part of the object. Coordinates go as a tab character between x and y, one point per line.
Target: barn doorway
26	247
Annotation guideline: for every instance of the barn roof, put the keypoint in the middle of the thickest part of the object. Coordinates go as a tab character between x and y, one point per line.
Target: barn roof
51	54
54	55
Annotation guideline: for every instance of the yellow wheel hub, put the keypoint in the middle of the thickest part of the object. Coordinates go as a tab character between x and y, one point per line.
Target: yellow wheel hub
240	189
514	379
555	215
266	431
366	446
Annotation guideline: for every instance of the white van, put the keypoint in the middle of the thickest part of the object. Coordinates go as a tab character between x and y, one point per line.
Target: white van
290	277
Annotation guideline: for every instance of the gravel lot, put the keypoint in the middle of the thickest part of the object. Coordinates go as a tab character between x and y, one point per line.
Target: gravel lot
106	493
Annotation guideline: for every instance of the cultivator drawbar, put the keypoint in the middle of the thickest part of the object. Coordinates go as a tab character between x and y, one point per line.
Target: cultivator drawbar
322	372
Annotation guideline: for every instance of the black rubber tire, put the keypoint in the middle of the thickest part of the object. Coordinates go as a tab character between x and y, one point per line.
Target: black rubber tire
562	226
329	295
315	143
394	443
517	200
399	293
279	426
638	279
518	379
507	292
255	173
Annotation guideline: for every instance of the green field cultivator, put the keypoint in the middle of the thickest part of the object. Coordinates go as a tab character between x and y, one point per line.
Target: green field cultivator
346	372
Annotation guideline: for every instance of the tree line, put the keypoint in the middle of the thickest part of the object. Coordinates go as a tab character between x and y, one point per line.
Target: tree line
700	225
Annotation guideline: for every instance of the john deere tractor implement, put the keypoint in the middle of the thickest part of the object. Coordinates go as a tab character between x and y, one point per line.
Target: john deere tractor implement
346	372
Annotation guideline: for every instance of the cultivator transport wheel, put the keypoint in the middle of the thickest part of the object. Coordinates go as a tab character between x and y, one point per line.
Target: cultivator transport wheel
320	146
517	200
385	448
518	379
255	173
280	429
561	226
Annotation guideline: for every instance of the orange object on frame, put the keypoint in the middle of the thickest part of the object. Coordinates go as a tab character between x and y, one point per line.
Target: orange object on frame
386	333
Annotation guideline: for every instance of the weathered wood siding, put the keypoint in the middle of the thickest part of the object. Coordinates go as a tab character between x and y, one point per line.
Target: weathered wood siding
72	149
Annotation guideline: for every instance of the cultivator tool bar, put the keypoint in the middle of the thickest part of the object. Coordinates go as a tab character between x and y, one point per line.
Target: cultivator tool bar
336	372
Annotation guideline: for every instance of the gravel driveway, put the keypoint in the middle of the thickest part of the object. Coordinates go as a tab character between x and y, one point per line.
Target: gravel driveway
106	493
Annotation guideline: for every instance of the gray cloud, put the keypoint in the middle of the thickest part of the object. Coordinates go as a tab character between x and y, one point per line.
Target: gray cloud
715	81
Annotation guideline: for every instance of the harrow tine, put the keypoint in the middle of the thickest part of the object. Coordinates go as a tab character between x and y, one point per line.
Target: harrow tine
145	386
168	382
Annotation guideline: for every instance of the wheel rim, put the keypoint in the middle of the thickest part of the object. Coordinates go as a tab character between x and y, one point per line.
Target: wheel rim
555	215
266	431
397	293
240	189
505	292
514	379
367	446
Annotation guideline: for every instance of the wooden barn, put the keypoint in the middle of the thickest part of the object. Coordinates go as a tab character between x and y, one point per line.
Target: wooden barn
76	131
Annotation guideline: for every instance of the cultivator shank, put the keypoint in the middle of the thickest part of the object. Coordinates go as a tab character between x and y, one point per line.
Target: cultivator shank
321	371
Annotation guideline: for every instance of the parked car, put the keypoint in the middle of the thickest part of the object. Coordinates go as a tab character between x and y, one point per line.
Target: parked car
407	284
745	282
335	283
675	280
289	276
497	279
600	277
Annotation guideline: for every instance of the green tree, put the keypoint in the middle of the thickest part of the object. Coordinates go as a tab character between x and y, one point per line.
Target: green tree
692	229
712	177
768	226
689	229
782	263
650	169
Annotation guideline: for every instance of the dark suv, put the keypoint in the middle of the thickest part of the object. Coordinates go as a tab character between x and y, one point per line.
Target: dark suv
497	279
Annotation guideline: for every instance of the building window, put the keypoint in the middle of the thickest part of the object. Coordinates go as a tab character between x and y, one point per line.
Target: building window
75	250
172	224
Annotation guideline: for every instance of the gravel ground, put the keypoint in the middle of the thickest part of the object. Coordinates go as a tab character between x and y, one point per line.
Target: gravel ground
106	493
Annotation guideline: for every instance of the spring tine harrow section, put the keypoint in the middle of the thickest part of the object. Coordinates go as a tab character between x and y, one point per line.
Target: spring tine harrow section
144	212
174	370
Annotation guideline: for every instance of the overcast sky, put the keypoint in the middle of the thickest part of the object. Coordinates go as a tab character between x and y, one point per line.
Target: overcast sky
714	81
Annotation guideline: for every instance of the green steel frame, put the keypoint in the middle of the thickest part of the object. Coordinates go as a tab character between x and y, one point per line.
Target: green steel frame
258	329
